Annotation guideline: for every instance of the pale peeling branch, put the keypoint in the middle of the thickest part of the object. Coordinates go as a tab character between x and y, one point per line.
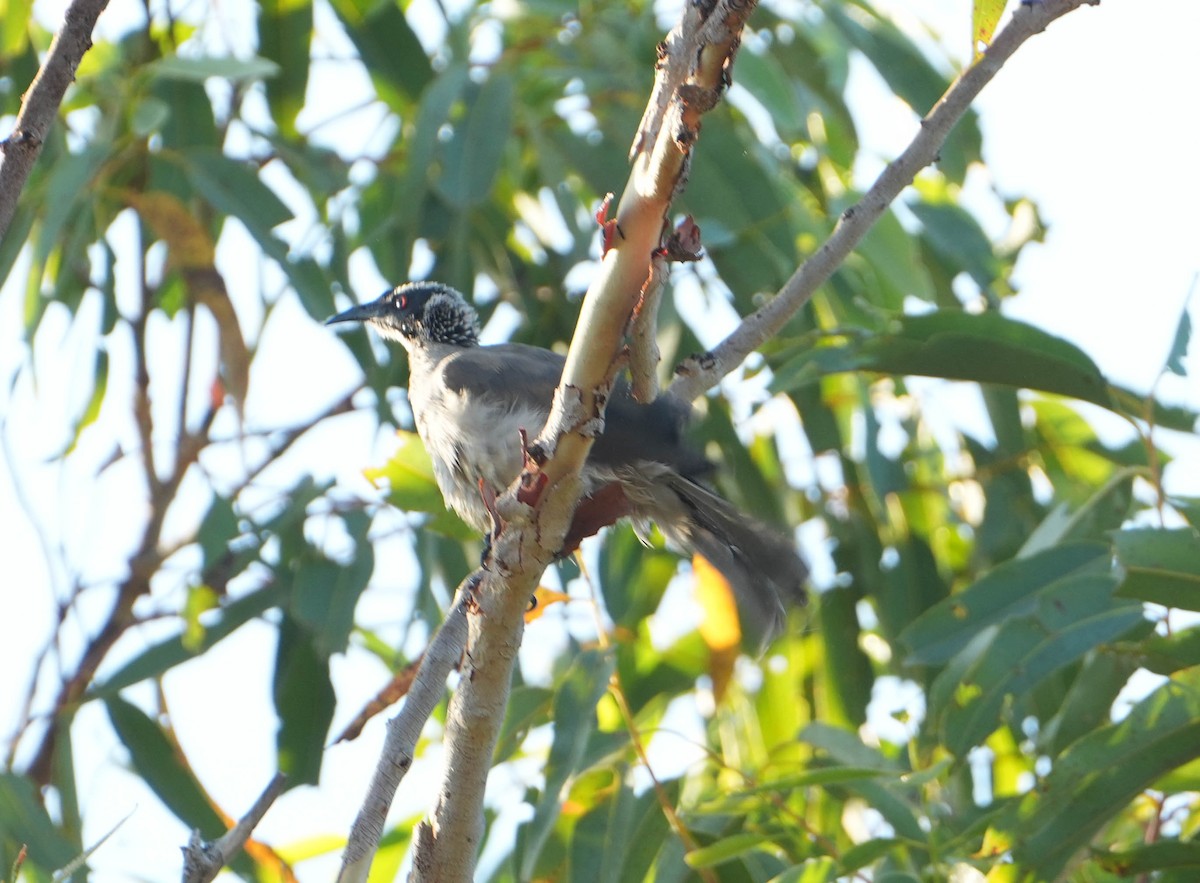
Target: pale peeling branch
39	107
534	515
704	371
403	732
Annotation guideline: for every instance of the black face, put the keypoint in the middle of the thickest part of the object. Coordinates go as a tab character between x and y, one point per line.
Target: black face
404	307
426	311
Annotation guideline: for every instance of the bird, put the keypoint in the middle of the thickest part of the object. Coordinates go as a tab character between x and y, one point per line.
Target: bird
473	404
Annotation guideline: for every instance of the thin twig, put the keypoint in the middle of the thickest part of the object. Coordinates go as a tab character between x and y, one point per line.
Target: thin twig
39	108
203	861
701	372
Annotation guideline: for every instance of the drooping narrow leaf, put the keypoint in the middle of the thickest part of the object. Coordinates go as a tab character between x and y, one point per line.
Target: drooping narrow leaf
160	657
388	47
1073	618
285	30
304	702
160	765
984	348
24	820
472	156
201	69
1102	771
574	721
324	593
234	188
92	409
1161	565
1179	345
1009	590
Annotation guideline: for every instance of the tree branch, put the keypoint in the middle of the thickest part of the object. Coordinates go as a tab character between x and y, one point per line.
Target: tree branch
703	371
403	731
203	861
533	516
40	105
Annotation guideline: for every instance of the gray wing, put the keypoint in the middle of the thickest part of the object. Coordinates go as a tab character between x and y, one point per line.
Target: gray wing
526	376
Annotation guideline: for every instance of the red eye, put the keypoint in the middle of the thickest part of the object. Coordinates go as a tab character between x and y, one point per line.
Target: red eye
404	301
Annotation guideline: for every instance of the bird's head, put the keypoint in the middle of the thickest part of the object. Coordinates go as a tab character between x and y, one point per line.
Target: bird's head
418	313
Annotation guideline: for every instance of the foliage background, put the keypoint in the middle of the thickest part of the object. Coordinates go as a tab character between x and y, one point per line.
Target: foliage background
198	216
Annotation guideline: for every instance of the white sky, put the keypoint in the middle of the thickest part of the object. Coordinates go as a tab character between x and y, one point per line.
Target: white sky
1094	120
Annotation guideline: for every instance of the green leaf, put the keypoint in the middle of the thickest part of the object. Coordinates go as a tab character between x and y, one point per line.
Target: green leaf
304	702
70	184
1008	591
92	410
984	348
191	124
909	74
632	577
1135	404
813	870
155	660
411	484
636	822
324	595
217	529
471	158
1167	654
1161	565
957	236
738	801
894	261
389	49
412	487
285	32
24	821
1179	346
846	677
234	188
1090	697
308	279
198	70
1150	857
149	115
157	760
1105	510
527	708
727	849
766	80
868	852
574	721
845	747
1072	618
434	111
15	20
1095	779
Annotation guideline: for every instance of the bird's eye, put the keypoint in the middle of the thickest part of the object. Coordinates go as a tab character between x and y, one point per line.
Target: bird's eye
404	301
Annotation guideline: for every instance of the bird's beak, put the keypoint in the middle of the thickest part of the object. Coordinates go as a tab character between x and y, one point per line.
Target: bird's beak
359	313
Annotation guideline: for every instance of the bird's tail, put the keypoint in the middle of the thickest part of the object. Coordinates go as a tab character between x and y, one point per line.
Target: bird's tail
760	564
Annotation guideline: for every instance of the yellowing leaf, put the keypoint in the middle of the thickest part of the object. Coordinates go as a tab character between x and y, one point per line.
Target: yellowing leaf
720	628
984	16
189	245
